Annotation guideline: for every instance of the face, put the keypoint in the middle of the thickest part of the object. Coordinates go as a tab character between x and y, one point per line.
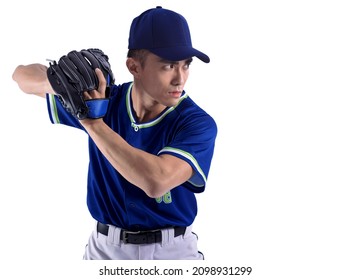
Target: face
163	81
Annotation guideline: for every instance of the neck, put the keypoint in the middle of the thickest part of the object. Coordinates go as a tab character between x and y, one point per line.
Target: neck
145	108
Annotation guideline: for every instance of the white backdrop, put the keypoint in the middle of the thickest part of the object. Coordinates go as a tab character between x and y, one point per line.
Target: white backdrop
278	86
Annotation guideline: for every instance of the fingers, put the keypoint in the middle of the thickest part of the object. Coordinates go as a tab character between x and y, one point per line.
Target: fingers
93	94
86	95
102	81
100	92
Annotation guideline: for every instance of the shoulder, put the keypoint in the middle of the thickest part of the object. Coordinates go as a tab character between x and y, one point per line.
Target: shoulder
188	108
191	114
119	89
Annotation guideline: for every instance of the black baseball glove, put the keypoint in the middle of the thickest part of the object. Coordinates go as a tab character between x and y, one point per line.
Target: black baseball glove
73	74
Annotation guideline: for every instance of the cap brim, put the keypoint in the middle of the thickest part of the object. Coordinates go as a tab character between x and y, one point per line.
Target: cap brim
180	53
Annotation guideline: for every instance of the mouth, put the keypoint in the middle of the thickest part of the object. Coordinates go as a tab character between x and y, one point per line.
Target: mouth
175	94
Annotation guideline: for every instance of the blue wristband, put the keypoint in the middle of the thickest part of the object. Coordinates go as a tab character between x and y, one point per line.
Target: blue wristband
97	107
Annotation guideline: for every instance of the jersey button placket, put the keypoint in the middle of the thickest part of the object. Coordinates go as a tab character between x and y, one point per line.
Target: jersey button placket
136	127
131	208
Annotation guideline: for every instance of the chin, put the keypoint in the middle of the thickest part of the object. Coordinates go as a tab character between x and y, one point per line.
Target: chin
172	103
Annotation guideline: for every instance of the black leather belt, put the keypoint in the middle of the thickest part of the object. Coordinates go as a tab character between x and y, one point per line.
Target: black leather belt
140	237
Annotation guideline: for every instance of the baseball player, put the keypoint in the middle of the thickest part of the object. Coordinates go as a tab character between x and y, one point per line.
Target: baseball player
150	147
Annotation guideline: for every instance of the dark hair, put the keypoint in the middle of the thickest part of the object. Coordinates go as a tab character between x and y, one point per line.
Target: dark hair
138	54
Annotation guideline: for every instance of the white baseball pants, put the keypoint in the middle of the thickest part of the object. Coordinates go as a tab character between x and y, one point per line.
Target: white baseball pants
110	247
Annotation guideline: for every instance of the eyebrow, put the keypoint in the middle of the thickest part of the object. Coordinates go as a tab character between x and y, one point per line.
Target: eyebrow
166	61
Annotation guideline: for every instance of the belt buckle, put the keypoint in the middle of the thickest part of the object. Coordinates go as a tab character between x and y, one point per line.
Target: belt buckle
126	232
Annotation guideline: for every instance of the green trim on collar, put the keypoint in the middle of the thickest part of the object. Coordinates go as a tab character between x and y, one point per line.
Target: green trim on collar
151	123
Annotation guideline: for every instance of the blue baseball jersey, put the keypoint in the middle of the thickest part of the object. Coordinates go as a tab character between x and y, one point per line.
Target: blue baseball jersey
185	131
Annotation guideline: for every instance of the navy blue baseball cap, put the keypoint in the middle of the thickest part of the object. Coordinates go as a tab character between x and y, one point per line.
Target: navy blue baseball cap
164	33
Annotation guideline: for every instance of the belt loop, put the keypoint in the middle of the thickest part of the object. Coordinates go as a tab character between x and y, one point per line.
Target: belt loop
167	236
113	236
188	230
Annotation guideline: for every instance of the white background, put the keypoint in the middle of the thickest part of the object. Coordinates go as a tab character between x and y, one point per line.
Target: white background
278	86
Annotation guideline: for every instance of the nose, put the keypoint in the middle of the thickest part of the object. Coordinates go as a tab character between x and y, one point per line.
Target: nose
179	77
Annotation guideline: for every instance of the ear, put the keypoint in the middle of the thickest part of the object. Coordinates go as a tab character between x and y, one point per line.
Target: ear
133	66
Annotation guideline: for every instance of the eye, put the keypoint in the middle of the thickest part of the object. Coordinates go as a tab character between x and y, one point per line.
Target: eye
169	66
187	64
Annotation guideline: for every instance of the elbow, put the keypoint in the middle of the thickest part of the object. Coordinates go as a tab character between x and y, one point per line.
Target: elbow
156	189
32	79
15	73
17	76
152	192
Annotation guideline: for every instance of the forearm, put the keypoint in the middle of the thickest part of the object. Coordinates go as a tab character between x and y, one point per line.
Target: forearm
32	79
155	175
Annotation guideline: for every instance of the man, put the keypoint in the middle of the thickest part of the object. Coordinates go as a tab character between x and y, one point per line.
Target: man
152	150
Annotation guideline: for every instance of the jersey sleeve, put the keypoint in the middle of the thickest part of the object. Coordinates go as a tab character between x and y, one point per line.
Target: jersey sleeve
194	143
58	114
